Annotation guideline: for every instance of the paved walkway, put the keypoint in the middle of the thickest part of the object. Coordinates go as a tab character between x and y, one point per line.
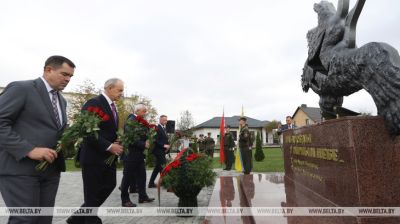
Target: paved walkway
70	194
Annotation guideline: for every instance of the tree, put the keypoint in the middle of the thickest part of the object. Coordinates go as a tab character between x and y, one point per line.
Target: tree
185	123
81	94
274	124
126	107
259	154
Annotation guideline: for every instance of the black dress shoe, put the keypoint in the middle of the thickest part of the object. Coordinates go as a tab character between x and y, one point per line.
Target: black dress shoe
152	185
128	204
146	200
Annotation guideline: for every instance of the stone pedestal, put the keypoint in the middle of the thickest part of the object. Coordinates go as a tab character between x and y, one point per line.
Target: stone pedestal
348	162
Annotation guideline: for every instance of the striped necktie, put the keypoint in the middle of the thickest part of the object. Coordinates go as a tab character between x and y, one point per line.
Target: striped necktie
54	100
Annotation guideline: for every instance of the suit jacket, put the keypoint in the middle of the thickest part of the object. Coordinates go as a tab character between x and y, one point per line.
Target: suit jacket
285	127
136	150
93	151
160	141
27	121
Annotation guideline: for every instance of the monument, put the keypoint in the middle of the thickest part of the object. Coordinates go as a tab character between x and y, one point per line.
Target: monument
351	161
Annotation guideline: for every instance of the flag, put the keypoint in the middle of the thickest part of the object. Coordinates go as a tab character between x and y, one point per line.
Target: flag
238	157
238	161
222	139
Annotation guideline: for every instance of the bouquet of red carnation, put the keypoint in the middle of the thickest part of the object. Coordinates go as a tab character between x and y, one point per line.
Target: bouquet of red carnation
187	174
135	130
85	124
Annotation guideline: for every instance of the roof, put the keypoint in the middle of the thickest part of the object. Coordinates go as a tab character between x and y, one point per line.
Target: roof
231	121
314	113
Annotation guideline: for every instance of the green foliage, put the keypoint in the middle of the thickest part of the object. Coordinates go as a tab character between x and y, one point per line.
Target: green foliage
134	132
86	124
259	154
190	171
272	125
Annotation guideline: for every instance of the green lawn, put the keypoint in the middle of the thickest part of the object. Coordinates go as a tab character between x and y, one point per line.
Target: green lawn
273	162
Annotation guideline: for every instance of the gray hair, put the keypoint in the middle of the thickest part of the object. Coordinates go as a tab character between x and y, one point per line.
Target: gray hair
139	106
111	82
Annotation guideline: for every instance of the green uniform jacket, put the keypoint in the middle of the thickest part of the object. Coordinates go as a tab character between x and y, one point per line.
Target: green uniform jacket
229	143
244	137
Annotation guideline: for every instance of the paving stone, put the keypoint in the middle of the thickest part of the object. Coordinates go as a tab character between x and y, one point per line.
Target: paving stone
70	194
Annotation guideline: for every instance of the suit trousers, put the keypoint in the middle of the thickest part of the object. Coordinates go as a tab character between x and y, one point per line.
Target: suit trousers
128	180
98	183
159	164
30	191
140	175
247	159
229	158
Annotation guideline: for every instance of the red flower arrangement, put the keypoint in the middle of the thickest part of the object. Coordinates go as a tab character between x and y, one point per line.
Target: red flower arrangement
186	175
85	124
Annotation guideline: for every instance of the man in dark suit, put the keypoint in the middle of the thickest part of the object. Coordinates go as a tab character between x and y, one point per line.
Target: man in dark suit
32	119
99	178
289	125
161	146
134	164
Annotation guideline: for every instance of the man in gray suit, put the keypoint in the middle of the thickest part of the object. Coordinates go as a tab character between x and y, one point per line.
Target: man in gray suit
32	119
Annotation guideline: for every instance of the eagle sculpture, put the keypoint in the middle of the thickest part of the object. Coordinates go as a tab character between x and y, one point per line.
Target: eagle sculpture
335	67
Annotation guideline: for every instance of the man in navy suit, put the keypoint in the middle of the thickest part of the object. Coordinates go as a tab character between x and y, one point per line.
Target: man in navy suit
289	125
134	164
32	119
99	179
161	146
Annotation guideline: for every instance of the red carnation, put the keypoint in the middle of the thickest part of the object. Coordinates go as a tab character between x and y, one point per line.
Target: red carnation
191	157
96	109
90	109
101	113
166	170
153	126
105	117
176	163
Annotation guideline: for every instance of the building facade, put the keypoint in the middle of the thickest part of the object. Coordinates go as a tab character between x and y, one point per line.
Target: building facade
213	126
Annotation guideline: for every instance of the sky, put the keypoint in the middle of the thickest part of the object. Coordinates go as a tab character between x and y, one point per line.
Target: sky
203	56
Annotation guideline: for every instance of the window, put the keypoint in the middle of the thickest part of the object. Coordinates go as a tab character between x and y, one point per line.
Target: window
307	121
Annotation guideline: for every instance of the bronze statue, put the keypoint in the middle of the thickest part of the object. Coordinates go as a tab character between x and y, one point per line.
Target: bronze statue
335	67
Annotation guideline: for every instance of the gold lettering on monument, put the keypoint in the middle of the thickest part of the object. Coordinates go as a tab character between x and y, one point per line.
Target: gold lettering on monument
304	167
298	139
314	152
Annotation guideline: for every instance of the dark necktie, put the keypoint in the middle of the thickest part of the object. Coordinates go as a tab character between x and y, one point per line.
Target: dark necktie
114	111
54	98
163	127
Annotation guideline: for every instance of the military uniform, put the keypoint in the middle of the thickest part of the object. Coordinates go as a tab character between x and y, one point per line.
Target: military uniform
229	143
210	145
244	145
201	143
